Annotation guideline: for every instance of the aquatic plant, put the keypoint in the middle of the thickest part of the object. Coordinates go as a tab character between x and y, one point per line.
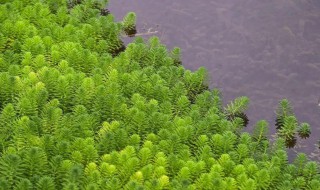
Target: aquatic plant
287	124
289	127
78	110
176	55
129	24
284	110
304	130
236	109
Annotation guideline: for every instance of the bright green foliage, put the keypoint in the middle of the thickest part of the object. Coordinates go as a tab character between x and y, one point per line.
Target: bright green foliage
287	124
176	54
129	23
289	127
304	130
284	110
79	111
236	110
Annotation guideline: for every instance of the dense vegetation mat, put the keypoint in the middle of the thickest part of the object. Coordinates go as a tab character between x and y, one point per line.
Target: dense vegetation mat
79	110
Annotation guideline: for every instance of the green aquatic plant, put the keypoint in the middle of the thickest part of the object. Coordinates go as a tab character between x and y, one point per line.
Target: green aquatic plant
287	124
176	55
304	130
236	109
79	110
129	24
289	127
284	110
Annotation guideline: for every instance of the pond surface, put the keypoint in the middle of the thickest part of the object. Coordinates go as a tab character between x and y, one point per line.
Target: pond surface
266	50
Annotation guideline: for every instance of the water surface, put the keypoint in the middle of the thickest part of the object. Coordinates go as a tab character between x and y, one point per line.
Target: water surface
266	50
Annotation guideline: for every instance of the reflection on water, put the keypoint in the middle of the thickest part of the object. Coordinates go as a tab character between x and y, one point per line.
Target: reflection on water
266	50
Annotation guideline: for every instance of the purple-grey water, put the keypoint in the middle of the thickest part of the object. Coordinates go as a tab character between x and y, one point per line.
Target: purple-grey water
266	50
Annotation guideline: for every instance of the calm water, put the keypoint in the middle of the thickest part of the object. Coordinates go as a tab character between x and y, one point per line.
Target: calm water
266	50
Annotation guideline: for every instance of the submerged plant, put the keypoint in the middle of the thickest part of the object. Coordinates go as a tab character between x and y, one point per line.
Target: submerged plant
104	11
72	3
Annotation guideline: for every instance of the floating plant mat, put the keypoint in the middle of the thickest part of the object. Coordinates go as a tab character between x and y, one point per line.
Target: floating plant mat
81	111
